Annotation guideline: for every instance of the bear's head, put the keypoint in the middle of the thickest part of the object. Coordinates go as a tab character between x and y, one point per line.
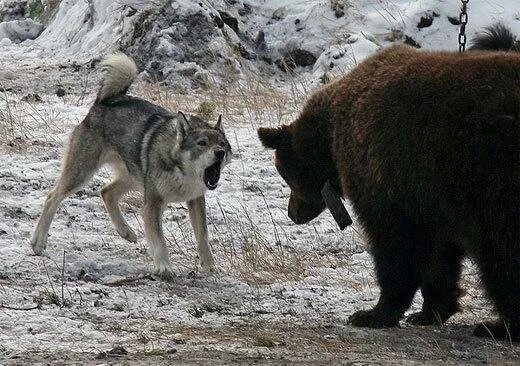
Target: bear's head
306	201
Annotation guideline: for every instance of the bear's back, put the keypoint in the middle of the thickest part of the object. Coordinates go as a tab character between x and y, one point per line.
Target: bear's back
436	133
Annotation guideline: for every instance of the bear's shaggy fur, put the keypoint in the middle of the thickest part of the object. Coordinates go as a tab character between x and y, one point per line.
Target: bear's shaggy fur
426	145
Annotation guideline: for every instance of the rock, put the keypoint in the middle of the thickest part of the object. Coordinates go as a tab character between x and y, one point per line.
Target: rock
131	12
178	338
338	7
232	22
75	66
411	42
93	63
260	40
263	341
454	20
279	14
20	30
246	10
395	35
294	58
174	44
60	92
339	13
13	10
196	312
117	351
267	59
299	25
16	212
5	42
302	57
219	22
425	21
32	98
243	52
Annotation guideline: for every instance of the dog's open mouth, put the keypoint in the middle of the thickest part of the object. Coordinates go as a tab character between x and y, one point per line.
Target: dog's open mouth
212	175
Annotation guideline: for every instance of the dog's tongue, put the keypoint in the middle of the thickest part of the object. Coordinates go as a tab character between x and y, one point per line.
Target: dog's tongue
212	175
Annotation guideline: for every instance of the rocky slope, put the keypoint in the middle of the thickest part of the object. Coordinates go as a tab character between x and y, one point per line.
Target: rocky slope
191	44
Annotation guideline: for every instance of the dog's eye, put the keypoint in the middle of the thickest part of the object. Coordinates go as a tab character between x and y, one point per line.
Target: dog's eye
202	143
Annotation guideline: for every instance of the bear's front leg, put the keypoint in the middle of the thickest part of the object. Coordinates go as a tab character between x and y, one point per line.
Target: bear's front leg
397	248
439	284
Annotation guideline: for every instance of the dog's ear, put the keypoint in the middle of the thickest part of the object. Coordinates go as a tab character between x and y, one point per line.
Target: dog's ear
183	124
275	138
182	116
218	125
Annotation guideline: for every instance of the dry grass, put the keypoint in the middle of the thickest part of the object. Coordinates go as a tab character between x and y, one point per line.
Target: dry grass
251	99
163	97
243	248
254	258
10	123
21	121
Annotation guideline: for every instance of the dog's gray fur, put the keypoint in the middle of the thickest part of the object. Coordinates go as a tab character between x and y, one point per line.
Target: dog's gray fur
161	154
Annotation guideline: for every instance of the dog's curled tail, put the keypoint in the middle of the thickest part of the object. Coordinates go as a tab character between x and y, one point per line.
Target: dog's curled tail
121	72
497	37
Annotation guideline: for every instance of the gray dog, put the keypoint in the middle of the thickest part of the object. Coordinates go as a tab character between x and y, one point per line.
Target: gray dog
168	157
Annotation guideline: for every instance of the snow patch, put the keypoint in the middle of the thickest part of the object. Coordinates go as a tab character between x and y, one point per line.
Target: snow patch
20	30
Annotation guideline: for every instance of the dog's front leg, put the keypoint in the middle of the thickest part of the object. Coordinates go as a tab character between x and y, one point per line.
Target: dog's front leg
197	211
152	216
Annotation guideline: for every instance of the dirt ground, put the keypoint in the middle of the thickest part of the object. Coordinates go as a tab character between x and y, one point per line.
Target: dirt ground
314	344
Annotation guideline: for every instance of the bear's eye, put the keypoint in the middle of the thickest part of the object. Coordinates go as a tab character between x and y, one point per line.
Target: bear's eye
202	143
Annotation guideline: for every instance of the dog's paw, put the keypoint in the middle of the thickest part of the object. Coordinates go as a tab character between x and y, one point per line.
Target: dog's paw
207	263
209	270
38	246
164	271
373	319
128	234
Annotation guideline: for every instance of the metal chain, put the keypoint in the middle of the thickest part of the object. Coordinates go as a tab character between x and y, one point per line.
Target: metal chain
463	20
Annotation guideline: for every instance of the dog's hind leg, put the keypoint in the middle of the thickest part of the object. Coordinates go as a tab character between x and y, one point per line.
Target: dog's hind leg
197	211
111	194
80	163
152	217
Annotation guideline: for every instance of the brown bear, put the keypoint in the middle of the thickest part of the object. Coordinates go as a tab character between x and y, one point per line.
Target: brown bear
426	146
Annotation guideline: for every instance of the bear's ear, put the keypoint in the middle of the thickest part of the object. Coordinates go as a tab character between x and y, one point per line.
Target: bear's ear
275	138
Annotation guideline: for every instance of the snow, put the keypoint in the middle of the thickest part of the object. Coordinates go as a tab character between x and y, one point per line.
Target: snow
83	31
5	42
95	256
82	27
273	275
19	30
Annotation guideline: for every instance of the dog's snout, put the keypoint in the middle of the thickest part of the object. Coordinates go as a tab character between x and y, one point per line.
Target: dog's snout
220	154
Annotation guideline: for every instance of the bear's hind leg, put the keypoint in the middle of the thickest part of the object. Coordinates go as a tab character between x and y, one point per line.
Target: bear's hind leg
500	269
395	244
